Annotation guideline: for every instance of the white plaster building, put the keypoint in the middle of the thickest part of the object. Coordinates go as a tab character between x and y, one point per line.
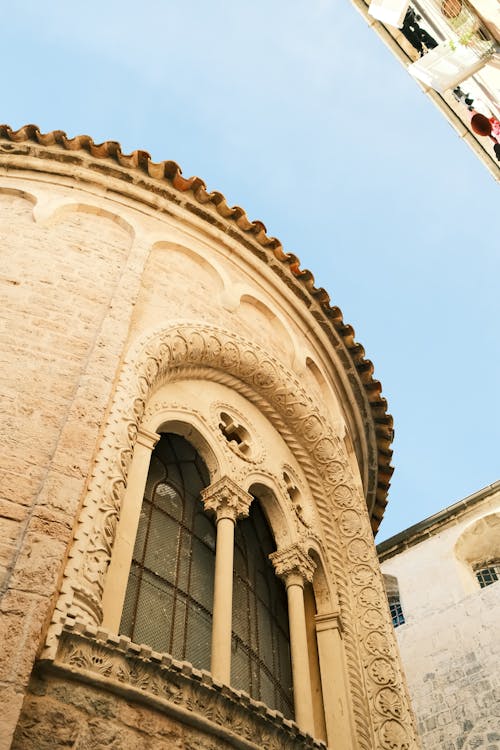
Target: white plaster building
452	49
443	582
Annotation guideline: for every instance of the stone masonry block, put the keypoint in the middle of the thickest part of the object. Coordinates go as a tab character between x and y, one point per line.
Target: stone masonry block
39	564
21	620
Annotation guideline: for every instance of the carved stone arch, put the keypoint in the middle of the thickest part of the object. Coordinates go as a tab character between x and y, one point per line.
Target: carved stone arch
323	587
276	509
190	426
369	641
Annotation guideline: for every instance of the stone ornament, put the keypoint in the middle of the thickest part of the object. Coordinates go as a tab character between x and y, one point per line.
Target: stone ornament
176	689
226	357
256	454
226	500
293	562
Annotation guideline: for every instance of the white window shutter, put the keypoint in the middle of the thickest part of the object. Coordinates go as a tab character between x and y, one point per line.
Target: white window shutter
391	12
445	66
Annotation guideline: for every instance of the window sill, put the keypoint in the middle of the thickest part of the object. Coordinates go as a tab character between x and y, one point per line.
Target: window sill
176	689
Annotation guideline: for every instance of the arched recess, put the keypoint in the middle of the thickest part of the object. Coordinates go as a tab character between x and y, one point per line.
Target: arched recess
380	702
15	192
274	509
479	544
56	214
265	323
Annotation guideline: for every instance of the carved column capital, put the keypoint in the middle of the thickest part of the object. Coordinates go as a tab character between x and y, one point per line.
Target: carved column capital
293	565
146	438
226	500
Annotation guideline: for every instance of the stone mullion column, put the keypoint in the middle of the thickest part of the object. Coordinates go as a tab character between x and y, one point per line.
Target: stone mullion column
115	586
229	503
333	680
296	568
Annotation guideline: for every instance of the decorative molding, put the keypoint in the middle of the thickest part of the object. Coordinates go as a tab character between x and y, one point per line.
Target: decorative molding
257	452
174	688
188	350
147	439
328	621
226	499
293	565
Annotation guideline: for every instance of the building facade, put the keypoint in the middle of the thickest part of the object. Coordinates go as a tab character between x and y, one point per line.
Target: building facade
441	579
452	50
196	456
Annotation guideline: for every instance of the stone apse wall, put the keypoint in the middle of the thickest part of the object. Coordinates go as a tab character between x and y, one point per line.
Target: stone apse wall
130	293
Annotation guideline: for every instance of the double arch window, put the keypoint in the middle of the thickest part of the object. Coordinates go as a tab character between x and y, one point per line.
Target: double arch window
169	596
197	572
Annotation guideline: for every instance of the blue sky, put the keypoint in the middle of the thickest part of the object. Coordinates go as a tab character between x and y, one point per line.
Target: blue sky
297	112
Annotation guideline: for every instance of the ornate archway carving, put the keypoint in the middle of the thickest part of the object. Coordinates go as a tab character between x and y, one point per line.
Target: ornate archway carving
170	354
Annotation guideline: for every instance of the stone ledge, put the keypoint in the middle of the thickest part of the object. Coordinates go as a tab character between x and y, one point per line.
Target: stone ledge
175	688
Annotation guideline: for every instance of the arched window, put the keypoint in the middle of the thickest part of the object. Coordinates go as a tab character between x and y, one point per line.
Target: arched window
169	597
260	658
392	591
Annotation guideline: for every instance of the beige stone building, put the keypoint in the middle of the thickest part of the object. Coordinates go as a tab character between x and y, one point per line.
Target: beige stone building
195	456
442	581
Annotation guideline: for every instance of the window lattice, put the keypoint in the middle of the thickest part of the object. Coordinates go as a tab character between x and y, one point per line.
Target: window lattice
168	603
397	615
260	662
488	575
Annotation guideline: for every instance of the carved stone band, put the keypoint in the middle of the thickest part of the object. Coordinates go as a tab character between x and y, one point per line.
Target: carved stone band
226	499
293	565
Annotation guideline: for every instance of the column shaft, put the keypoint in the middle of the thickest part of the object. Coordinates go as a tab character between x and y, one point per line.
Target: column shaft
223	602
123	549
304	715
334	682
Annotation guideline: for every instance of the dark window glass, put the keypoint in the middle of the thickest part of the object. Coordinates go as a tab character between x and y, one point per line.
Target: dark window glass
397	615
488	574
260	662
168	603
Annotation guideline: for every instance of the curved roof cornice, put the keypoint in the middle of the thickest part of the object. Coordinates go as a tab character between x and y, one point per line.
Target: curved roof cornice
367	390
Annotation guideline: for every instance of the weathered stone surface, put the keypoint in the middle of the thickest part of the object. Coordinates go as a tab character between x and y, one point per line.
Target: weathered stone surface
61	714
21	620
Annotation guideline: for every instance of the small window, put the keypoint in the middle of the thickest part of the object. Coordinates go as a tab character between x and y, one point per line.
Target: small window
488	574
392	591
397	615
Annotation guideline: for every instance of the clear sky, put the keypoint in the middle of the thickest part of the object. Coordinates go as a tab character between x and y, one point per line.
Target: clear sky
296	111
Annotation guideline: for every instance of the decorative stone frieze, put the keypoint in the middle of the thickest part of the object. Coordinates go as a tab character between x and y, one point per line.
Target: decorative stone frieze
90	655
226	500
293	564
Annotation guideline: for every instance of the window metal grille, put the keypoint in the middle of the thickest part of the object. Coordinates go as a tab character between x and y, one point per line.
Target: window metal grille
168	603
488	575
260	662
397	615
